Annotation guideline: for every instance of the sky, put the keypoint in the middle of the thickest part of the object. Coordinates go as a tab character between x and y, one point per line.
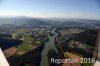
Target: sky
87	9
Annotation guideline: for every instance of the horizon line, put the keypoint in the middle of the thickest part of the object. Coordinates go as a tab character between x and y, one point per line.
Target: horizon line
25	16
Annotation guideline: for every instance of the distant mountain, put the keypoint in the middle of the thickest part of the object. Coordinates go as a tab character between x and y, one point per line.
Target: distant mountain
31	21
27	21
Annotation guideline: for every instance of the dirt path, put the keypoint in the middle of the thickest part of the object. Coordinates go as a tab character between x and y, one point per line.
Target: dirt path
9	52
72	56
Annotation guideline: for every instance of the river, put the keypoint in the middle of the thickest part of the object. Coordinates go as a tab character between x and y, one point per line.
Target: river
47	47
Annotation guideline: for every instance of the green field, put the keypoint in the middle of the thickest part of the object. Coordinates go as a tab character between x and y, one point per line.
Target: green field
23	48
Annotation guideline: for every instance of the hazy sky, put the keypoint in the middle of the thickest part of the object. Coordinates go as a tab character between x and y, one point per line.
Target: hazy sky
51	8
